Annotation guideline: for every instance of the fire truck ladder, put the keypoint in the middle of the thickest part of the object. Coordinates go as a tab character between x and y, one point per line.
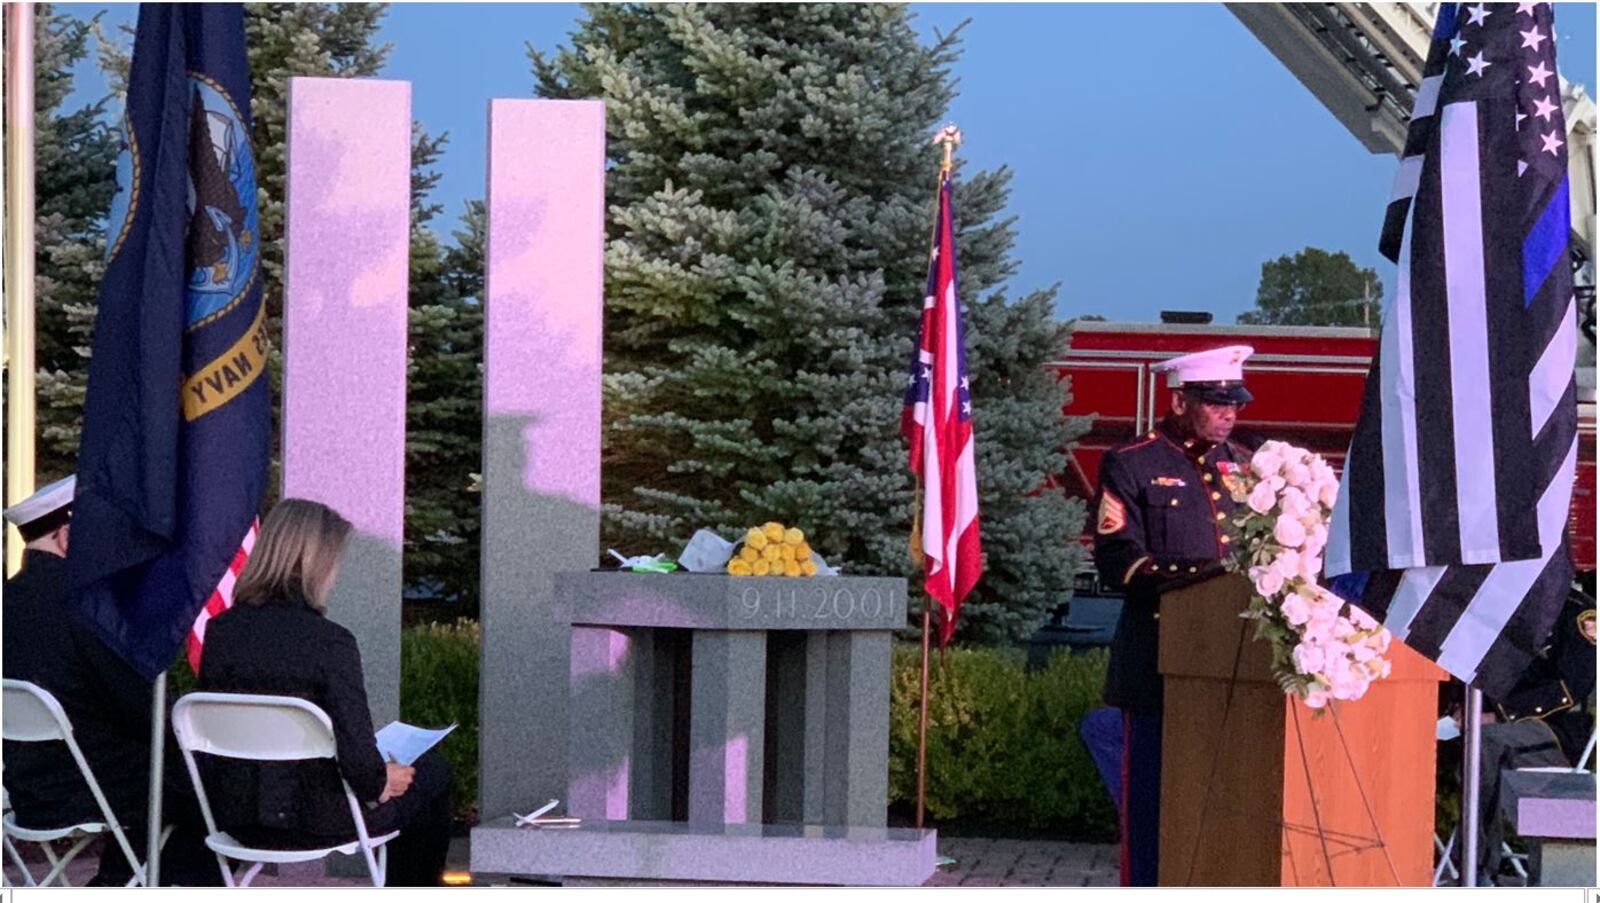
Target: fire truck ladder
1364	62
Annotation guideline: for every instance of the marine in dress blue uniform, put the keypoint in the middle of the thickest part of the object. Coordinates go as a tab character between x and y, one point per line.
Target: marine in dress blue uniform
1161	511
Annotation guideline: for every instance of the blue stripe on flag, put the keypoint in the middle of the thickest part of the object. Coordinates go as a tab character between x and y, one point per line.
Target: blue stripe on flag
1546	244
1445	25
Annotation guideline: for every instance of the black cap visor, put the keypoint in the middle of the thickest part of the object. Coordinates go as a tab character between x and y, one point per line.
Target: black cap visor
1224	392
45	524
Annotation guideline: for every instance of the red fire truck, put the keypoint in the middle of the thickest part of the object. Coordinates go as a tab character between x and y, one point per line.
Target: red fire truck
1307	382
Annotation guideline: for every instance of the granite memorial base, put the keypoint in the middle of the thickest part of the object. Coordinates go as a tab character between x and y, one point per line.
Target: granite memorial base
723	730
635	853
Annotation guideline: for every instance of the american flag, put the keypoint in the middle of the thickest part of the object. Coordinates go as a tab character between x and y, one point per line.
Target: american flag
1452	512
220	600
937	422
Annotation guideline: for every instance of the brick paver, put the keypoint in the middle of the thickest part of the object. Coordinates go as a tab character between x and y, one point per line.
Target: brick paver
989	862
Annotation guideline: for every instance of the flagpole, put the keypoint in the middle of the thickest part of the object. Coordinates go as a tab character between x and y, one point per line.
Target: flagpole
158	749
922	717
1471	768
947	138
19	287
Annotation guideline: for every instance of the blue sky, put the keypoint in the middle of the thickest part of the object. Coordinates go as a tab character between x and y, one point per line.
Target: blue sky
1160	153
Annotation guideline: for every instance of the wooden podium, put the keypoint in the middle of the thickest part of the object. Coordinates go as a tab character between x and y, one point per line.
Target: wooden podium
1236	802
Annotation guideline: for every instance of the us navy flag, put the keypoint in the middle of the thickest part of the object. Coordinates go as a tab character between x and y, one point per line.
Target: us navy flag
176	432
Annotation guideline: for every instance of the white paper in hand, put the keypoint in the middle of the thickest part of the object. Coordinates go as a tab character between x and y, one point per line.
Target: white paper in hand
405	743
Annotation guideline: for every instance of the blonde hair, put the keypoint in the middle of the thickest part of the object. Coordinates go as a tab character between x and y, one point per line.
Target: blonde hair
296	555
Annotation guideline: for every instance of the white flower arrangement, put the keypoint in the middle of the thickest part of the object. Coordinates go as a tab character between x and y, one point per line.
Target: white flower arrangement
1322	649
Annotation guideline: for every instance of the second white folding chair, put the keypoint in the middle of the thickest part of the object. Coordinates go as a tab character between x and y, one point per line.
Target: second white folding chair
265	729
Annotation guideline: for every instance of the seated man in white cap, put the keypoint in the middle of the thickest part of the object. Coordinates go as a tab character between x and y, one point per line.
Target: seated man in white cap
1162	505
107	702
43	518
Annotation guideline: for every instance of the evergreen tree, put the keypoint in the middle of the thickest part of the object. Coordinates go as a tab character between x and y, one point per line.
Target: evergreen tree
75	161
444	398
771	195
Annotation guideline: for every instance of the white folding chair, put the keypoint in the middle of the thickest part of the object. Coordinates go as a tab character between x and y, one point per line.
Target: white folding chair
1443	864
265	729
32	715
11	850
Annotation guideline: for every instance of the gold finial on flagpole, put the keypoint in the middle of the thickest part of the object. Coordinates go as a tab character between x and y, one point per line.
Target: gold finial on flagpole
947	137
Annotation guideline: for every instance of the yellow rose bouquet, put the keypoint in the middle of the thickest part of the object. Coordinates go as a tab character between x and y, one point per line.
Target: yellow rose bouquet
773	550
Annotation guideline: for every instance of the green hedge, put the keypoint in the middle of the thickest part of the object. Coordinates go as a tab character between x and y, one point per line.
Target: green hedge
1003	745
439	686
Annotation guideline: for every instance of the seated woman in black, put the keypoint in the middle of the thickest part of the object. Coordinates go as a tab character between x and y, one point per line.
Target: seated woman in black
276	640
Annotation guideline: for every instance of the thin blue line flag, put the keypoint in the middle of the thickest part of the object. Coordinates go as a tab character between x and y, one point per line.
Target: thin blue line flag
1451	523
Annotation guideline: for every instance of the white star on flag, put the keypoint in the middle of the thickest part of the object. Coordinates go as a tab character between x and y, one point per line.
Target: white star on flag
1551	142
1538	74
1522	167
1456	43
1476	64
1526	8
1477	14
1521	116
1533	37
1542	108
